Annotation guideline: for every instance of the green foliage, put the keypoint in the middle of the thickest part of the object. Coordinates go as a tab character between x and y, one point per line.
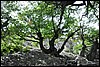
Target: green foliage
11	48
77	48
26	49
35	44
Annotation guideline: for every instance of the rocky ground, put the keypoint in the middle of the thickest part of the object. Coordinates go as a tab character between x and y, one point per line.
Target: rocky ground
34	57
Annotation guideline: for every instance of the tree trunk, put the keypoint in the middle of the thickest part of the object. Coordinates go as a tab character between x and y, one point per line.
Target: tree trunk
93	51
47	51
82	53
52	50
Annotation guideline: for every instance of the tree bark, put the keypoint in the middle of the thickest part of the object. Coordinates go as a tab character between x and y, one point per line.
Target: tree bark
82	53
52	50
92	54
47	51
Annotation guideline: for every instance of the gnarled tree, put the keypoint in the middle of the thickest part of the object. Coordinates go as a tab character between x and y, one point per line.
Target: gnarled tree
47	19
